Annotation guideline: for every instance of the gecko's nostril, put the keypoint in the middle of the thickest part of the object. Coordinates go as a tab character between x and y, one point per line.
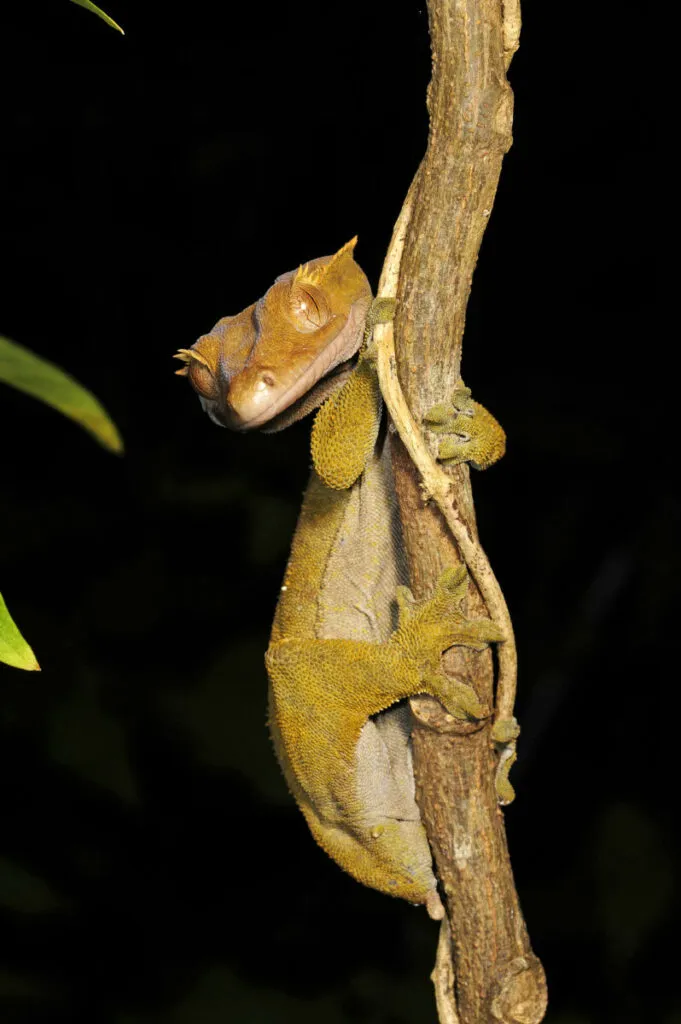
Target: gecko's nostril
268	379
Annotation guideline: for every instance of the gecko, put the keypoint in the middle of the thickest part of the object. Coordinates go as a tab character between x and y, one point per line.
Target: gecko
349	644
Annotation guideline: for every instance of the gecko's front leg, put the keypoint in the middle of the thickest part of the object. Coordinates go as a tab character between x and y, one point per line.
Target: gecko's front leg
471	432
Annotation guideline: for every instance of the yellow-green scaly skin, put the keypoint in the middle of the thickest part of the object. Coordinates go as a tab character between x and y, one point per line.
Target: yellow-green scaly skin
348	642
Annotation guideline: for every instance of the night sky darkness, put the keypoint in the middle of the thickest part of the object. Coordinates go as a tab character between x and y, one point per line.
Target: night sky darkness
153	869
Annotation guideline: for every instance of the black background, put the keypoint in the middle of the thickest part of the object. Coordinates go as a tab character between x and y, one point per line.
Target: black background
152	866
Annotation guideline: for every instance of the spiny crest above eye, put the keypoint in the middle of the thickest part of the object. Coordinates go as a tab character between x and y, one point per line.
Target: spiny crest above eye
187	354
316	276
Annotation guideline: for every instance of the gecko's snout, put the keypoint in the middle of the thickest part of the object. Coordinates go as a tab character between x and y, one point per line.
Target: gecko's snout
251	398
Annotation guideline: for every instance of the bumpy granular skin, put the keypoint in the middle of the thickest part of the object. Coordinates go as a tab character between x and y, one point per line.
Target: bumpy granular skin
345	429
357	801
340	657
472	433
323	693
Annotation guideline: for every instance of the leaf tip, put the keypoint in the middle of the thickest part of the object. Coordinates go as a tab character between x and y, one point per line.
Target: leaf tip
105	431
117	445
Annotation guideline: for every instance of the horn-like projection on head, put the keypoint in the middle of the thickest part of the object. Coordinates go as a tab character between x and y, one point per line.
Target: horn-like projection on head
317	275
284	350
186	355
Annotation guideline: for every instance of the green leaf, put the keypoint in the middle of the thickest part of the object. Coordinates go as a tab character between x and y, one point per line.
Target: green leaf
41	379
13	648
100	14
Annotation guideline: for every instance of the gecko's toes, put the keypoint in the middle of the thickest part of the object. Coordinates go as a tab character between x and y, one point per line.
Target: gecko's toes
471	432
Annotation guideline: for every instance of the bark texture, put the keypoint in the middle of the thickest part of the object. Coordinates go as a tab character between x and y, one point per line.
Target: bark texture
496	977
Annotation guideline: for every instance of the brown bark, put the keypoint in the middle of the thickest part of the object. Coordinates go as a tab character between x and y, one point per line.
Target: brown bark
496	977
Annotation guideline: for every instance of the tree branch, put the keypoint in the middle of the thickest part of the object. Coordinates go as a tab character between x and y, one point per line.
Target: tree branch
436	484
487	972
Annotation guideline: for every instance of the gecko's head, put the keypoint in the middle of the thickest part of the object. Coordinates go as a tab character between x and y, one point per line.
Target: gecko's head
253	367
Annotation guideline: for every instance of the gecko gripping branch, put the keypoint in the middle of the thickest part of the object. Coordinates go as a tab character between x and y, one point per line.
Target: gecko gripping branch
349	644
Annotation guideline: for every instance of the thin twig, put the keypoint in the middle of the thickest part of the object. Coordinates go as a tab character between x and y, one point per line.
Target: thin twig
442	977
436	484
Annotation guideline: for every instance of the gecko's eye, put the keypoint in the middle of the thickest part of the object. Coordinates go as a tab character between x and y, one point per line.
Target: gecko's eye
309	308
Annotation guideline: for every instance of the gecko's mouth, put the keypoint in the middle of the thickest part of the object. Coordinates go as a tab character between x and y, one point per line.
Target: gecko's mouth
313	397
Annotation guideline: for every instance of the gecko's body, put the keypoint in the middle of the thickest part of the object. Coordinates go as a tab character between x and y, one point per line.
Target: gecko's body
348	642
350	773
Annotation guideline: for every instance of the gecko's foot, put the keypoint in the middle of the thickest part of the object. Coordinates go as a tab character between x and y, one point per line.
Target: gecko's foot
381	311
473	434
428	628
460	700
505	730
438	623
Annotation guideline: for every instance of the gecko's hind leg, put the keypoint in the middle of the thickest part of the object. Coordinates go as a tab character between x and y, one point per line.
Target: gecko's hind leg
428	628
